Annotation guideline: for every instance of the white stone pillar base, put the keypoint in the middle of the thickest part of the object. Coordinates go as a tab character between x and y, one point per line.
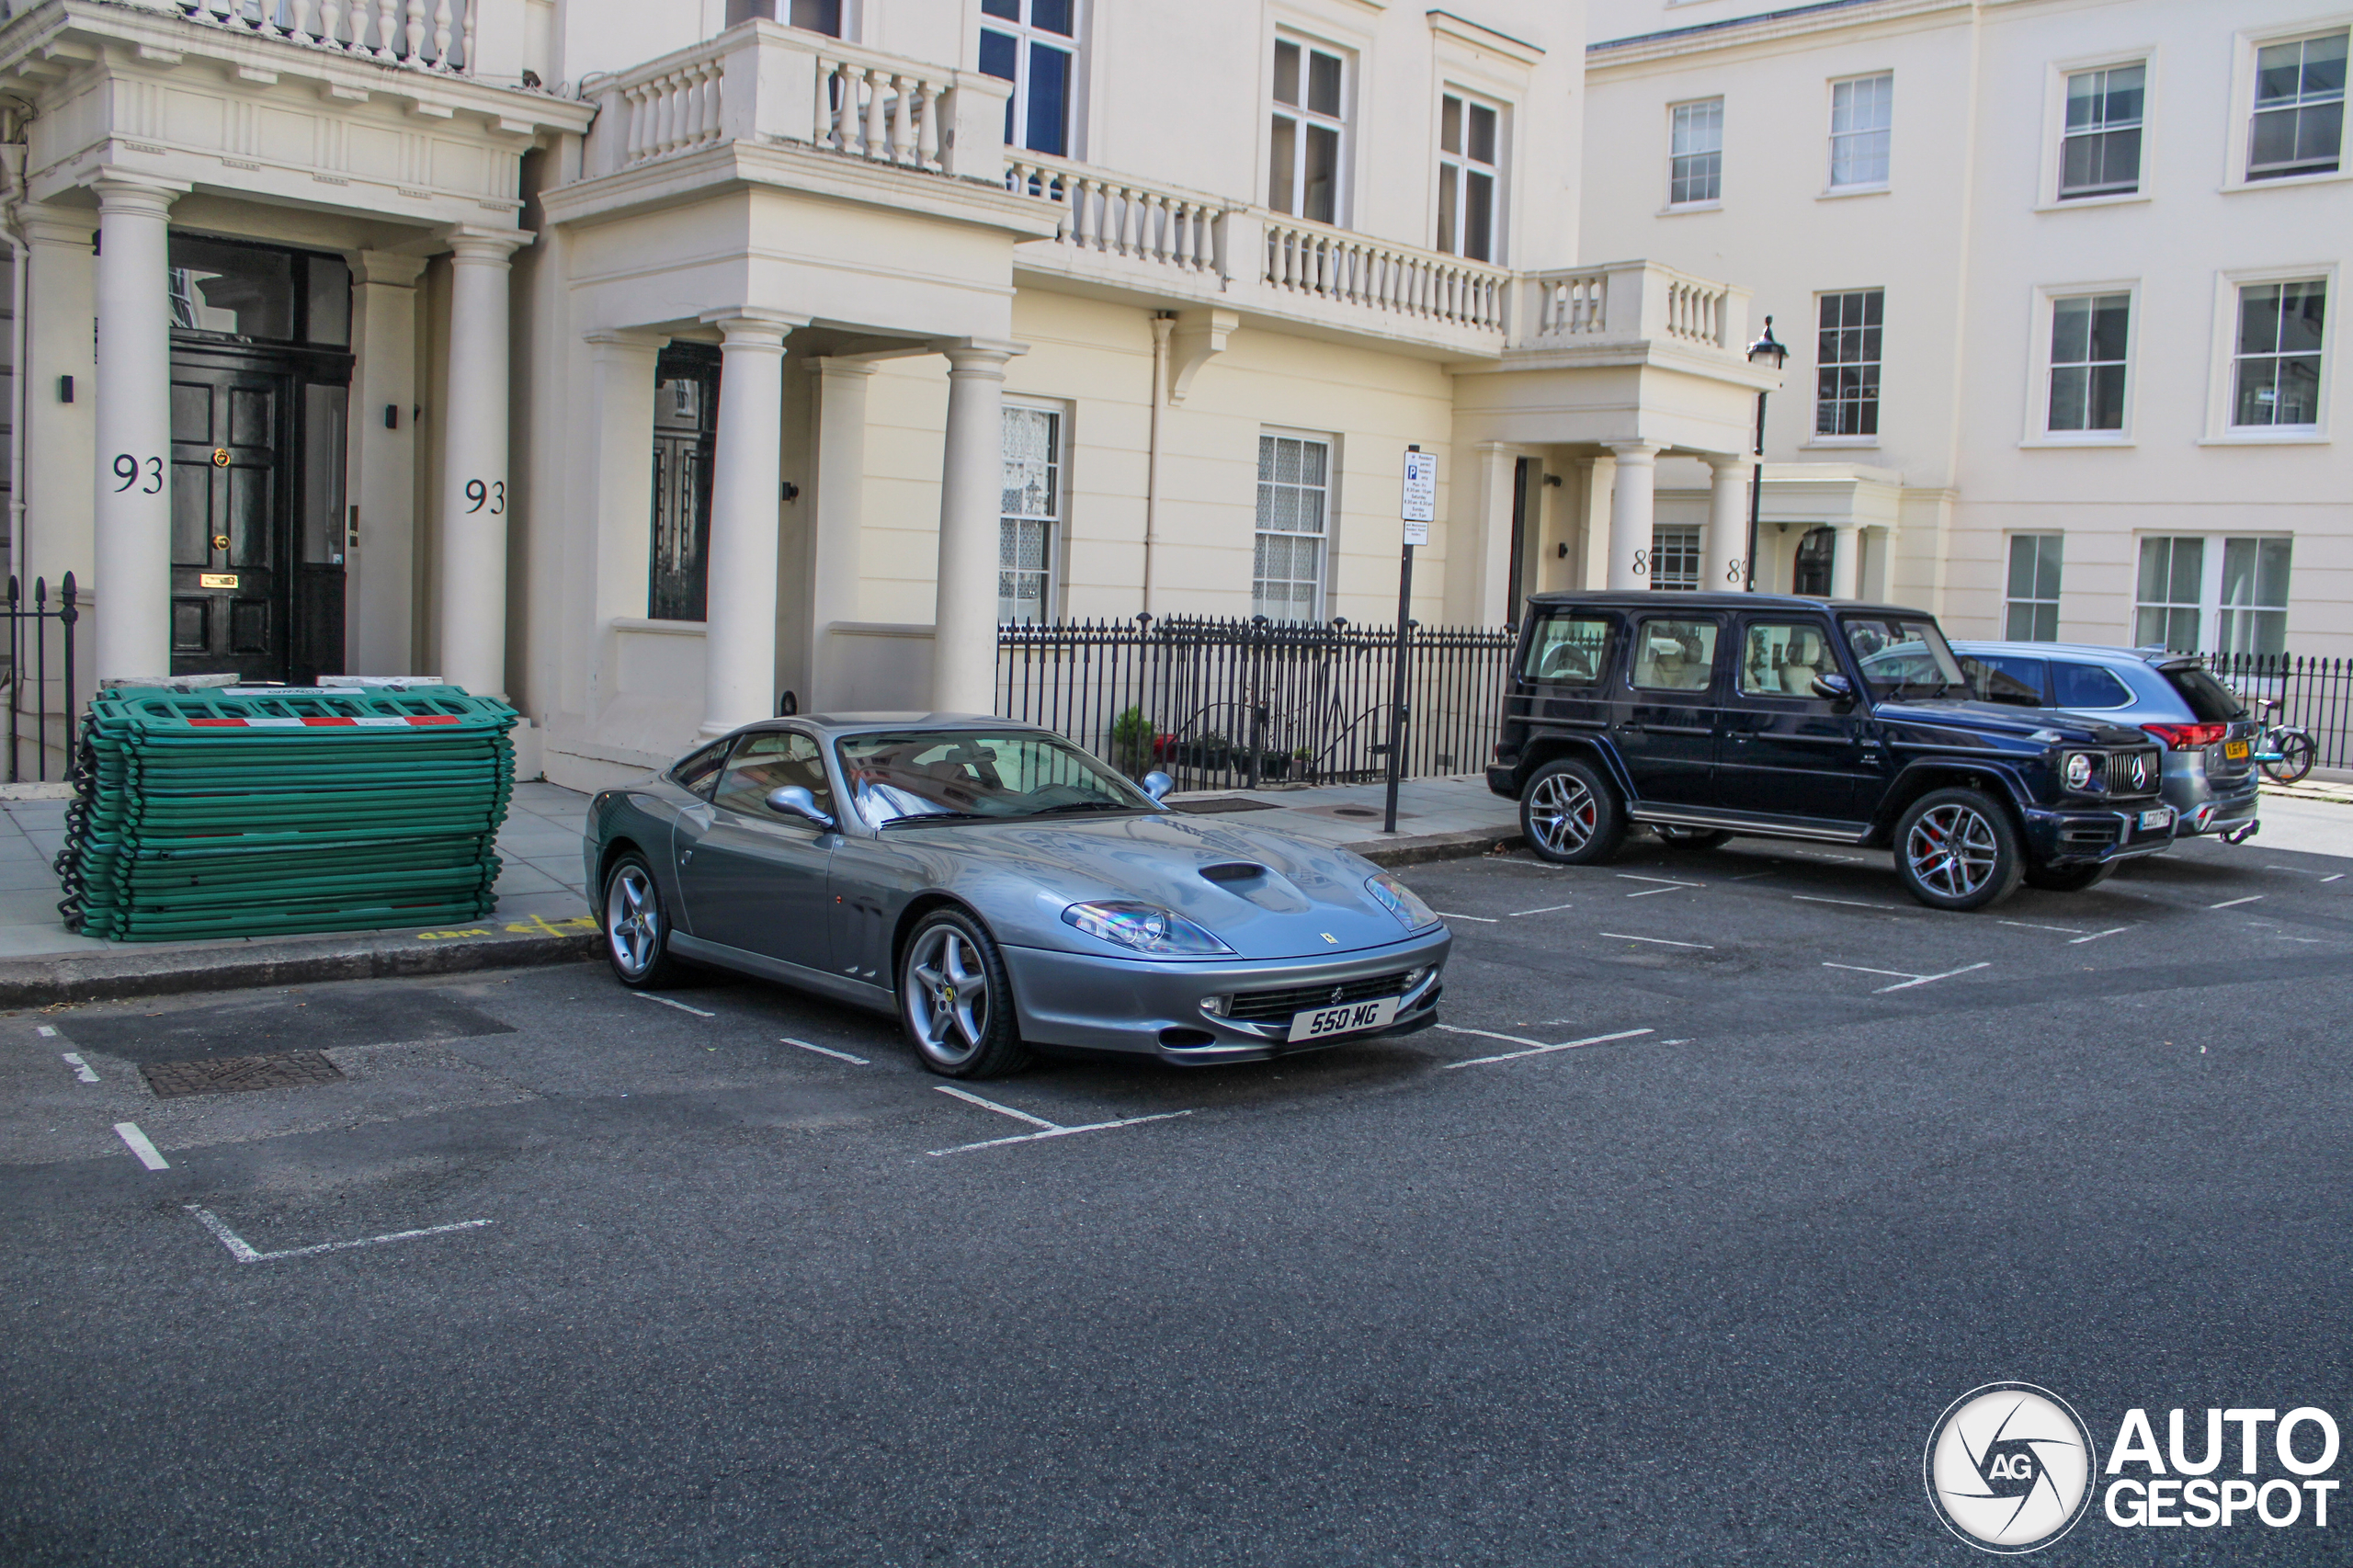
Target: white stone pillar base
1632	509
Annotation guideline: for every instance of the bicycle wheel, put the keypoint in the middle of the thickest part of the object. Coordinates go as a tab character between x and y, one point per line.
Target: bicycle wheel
2296	756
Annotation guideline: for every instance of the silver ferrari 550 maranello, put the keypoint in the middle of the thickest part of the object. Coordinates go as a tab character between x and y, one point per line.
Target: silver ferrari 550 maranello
999	890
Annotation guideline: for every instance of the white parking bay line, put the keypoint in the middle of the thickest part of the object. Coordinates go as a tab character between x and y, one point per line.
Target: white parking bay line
148	1154
1909	980
2112	931
1548	909
1536	1050
82	1069
47	1031
2340	877
1051	1130
1668	883
666	1001
244	1251
1850	902
1662	941
825	1050
2030	925
1482	919
2235	902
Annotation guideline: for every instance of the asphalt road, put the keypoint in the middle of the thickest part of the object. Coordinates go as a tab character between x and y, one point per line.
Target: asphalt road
1694	1294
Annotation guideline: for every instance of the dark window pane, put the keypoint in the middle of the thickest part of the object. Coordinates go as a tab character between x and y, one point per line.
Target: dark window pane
231	289
1483	133
1282	155
2105	398
1051	16
818	16
1322	83
2279	72
330	302
1479	219
1049	100
2067	397
2070	331
1448	179
1009	9
999	55
1449	125
320	537
2320	131
1286	72
1323	179
2259	320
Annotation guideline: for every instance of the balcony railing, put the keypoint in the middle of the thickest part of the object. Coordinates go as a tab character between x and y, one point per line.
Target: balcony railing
1110	214
1630	302
760	81
1343	269
434	35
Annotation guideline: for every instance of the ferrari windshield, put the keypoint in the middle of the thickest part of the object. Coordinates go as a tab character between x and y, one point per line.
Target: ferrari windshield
1903	657
967	774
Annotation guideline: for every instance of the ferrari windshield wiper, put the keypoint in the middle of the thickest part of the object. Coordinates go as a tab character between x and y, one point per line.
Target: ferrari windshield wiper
942	816
1085	806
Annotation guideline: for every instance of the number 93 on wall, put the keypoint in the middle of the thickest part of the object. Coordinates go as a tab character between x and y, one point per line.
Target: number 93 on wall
486	497
147	473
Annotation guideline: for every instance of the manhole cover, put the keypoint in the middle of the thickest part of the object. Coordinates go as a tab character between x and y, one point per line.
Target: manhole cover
1354	811
234	1074
1215	803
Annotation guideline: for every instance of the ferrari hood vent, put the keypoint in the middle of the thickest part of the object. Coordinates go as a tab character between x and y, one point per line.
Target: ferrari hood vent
1227	872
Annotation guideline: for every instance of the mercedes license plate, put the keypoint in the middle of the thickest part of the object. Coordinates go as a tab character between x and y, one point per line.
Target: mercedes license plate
2234	751
2160	817
1353	1018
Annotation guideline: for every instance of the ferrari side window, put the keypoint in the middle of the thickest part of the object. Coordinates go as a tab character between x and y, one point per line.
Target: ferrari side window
766	763
695	772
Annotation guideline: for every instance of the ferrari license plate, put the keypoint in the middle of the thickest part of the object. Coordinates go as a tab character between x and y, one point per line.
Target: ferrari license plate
2160	817
2234	750
1350	1019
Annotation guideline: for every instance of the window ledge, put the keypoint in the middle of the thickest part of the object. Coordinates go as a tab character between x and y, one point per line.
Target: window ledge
2285	182
2103	440
1847	443
1841	192
658	627
1675	209
2075	203
2294	436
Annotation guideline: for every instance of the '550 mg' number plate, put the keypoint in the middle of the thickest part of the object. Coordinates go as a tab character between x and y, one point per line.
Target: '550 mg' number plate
1350	1019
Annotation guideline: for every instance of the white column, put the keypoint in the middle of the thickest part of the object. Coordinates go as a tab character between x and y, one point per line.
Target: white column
1845	561
1727	544
1600	477
746	489
476	497
1630	511
971	494
838	513
382	619
134	511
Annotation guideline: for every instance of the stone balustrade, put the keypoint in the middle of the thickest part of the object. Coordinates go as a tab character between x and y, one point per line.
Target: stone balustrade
434	35
1351	269
762	82
1627	303
1112	214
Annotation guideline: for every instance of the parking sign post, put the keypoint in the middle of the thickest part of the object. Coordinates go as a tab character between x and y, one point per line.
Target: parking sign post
1417	506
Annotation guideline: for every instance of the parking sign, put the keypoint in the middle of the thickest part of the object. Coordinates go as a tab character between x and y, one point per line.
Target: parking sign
1420	500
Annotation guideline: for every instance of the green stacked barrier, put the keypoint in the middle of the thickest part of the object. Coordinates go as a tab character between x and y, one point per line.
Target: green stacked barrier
245	812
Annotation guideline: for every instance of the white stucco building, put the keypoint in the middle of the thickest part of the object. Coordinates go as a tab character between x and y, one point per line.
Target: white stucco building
647	359
2061	284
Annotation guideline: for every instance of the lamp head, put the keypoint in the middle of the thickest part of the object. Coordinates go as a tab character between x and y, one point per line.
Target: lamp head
1768	349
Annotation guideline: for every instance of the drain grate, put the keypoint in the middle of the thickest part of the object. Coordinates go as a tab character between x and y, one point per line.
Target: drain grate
235	1074
1216	804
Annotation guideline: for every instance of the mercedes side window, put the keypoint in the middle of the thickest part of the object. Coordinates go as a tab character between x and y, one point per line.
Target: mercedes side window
1568	650
769	762
695	773
1675	655
1783	659
2088	685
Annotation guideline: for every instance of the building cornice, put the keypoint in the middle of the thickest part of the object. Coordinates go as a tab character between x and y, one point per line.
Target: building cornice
1828	16
1463	31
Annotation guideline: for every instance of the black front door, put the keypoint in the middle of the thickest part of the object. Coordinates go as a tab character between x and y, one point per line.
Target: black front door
232	439
1788	752
257	512
686	430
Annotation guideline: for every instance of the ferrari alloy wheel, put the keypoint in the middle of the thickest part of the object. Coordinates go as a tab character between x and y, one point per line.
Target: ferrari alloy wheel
955	1000
1956	850
1570	816
637	933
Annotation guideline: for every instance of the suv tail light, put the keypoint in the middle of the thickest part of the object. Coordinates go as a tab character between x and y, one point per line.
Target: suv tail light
2188	737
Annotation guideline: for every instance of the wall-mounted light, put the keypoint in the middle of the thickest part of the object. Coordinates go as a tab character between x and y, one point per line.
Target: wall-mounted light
1553	480
792	491
65	389
1564	547
391	416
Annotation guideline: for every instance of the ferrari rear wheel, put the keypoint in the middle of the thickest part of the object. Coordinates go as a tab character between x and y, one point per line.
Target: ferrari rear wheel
637	929
956	999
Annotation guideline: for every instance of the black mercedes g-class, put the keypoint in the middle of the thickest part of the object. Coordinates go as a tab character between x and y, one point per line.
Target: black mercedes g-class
1705	715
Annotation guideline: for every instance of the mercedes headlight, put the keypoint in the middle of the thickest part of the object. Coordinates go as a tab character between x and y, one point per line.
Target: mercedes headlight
1399	901
1145	929
2079	770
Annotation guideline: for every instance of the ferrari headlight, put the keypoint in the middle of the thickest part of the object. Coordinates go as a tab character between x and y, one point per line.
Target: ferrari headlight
1399	901
1147	928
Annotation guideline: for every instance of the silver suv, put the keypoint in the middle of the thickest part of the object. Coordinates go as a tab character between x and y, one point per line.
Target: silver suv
2207	732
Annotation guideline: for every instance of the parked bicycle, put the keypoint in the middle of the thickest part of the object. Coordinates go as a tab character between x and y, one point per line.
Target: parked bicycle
2284	752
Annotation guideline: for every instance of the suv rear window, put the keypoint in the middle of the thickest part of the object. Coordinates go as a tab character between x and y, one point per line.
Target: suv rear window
2087	685
1568	650
2210	702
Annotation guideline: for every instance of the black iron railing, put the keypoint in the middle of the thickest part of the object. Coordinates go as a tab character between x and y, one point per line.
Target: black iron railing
2315	693
1228	704
43	700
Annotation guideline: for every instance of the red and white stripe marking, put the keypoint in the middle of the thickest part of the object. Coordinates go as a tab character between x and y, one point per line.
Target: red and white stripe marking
385	723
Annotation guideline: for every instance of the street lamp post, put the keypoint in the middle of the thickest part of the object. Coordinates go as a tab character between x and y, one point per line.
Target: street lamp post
1765	350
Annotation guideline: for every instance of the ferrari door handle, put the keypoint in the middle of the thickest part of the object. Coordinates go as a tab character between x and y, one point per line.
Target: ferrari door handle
685	856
